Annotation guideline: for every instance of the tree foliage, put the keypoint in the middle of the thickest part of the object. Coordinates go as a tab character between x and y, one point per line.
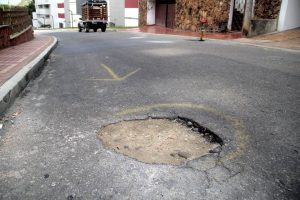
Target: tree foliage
30	4
31	7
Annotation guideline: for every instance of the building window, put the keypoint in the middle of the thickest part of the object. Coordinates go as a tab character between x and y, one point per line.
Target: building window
61	15
60	5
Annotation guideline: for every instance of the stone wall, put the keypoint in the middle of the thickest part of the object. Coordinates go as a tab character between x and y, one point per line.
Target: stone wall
15	26
142	13
189	12
5	32
25	36
267	9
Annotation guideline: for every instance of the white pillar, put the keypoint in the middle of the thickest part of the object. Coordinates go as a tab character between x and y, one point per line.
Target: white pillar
247	18
229	24
151	6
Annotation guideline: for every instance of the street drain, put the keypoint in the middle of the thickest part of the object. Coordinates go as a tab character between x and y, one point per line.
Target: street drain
161	141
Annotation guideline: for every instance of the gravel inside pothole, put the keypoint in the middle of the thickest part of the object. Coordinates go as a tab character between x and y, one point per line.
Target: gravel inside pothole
159	141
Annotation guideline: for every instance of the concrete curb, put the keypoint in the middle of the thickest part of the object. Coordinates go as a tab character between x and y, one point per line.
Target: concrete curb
268	47
10	90
231	41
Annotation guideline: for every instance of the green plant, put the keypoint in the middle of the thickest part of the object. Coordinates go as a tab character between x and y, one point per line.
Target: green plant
4	6
31	7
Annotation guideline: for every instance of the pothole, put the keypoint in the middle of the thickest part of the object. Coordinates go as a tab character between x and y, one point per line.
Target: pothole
161	141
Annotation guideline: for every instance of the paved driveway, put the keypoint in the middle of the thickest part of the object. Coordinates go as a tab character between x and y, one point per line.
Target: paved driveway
249	96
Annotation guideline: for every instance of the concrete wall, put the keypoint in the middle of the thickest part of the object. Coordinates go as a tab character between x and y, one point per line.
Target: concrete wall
289	17
116	13
131	17
262	26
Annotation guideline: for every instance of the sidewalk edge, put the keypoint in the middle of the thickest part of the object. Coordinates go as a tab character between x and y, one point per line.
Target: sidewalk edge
229	40
267	47
10	90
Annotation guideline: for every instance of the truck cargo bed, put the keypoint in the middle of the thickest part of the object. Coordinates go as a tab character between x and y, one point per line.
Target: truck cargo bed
94	16
94	10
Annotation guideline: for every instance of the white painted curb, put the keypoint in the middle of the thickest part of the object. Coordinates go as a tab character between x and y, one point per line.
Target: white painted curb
11	88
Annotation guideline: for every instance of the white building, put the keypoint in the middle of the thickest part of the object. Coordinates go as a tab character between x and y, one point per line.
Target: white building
120	12
123	12
66	13
289	17
55	13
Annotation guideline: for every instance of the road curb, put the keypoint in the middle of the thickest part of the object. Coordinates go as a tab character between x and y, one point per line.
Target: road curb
231	41
268	47
10	90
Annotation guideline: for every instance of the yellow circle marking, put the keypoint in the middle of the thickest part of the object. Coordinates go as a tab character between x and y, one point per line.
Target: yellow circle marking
239	130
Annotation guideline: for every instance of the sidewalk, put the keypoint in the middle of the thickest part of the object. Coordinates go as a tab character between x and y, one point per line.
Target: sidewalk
283	40
18	64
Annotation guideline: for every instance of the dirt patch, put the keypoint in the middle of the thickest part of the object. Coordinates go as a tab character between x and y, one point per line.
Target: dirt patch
162	141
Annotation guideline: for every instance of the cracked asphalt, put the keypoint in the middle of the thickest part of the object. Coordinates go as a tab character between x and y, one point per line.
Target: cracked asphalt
247	95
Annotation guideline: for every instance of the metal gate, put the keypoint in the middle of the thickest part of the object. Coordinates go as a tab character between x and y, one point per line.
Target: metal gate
165	13
238	15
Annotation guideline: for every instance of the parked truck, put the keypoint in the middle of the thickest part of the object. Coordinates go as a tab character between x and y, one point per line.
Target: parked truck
94	16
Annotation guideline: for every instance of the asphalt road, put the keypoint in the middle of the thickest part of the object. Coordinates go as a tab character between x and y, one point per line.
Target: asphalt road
247	95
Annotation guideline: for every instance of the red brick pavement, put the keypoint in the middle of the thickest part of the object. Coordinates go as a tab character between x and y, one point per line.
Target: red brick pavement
12	59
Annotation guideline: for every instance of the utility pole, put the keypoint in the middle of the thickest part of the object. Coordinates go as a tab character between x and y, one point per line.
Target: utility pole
247	18
71	16
52	22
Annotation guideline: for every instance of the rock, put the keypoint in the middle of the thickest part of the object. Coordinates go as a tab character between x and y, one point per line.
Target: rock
46	176
173	154
216	150
189	123
183	154
70	197
195	129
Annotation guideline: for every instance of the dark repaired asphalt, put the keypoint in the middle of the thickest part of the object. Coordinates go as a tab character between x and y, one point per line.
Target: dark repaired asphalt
247	95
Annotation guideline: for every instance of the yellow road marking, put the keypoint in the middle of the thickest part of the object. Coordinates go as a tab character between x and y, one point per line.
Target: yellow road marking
130	74
240	135
111	72
114	76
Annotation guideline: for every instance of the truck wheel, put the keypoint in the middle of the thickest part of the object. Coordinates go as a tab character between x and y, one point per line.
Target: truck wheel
103	29
87	30
95	30
80	30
